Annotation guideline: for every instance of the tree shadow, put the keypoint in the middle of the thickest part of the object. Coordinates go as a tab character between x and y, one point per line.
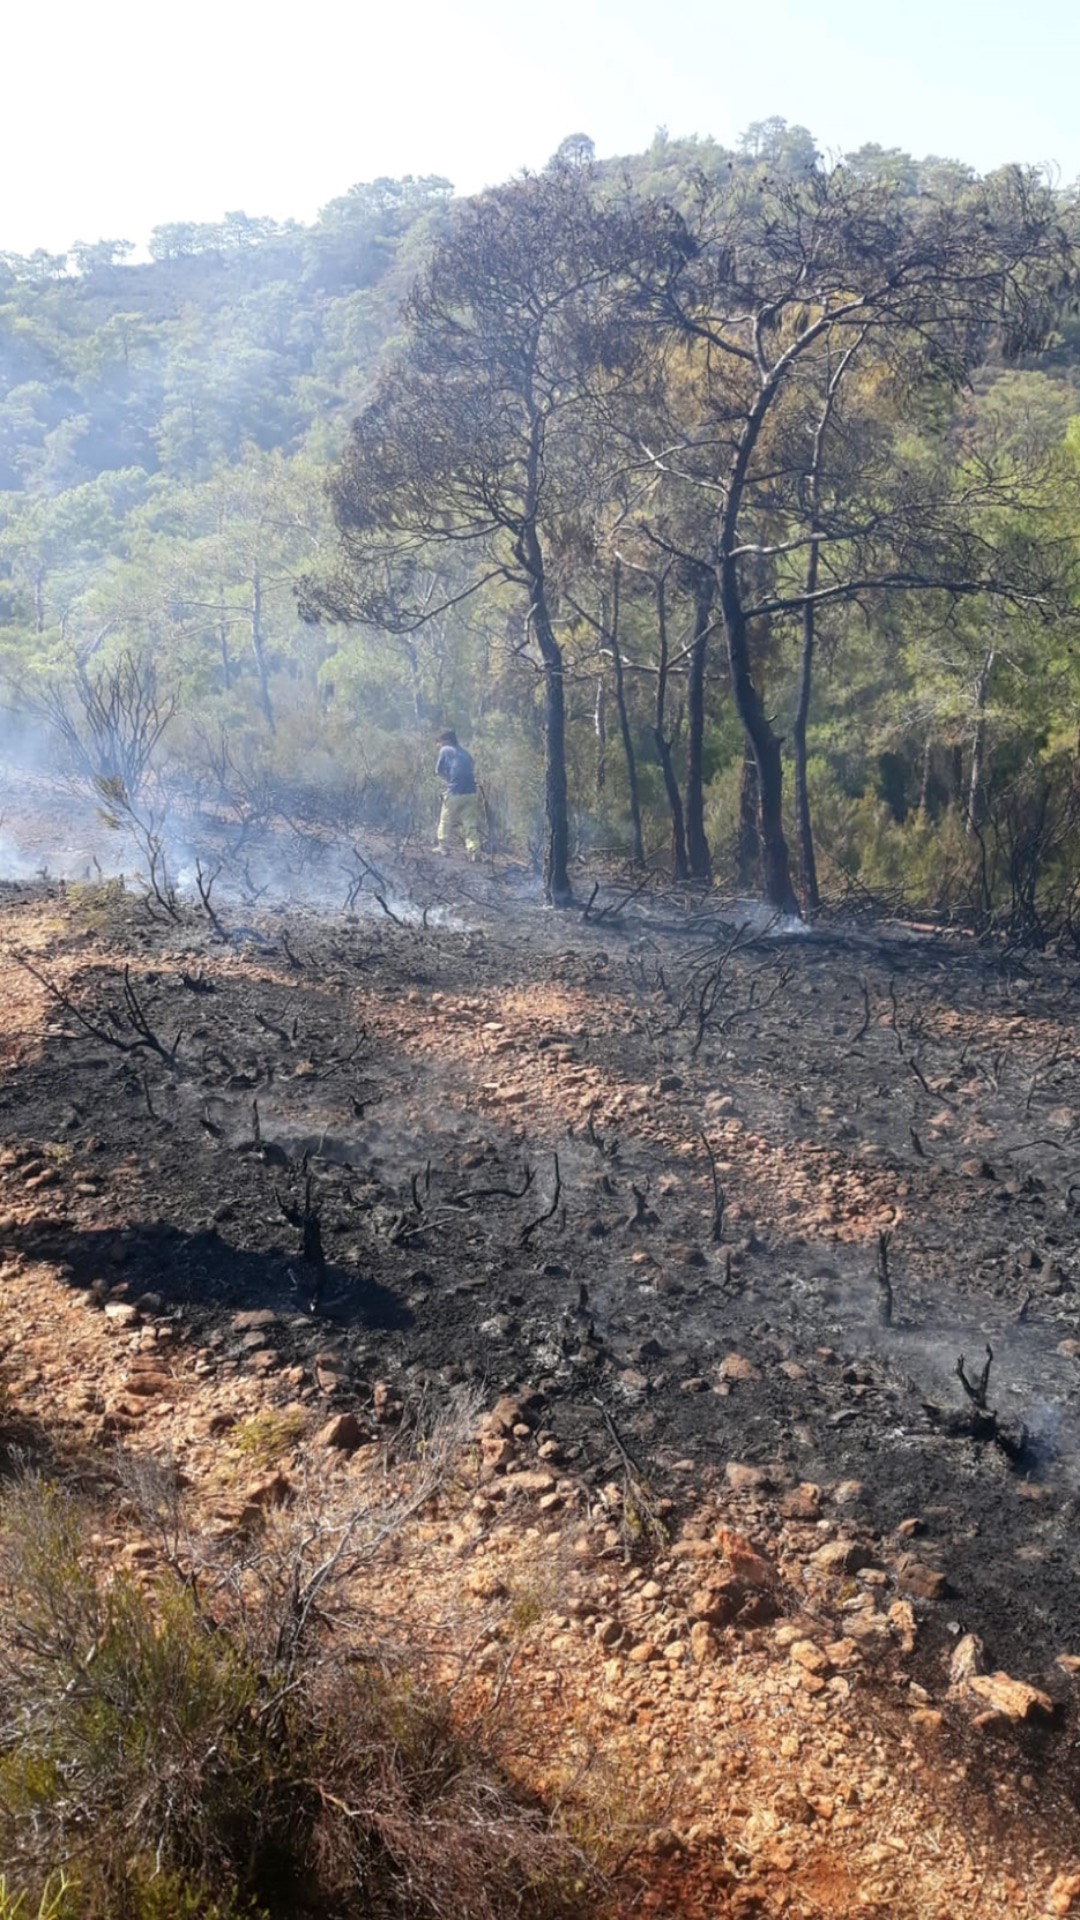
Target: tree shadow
203	1274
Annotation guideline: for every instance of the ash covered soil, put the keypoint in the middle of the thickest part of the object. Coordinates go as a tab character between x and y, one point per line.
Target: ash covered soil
636	1162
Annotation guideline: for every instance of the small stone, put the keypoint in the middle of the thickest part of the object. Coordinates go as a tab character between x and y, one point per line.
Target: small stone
840	1556
703	1642
642	1653
805	1654
253	1319
149	1384
804	1503
344	1431
969	1659
735	1366
849	1493
536	1482
746	1479
921	1582
1064	1895
1013	1698
273	1490
901	1618
121	1314
927	1719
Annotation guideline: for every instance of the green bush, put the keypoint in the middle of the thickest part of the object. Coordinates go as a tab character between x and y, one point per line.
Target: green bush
160	1759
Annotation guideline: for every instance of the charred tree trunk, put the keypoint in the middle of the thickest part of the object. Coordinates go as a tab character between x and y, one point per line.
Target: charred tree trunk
679	864
748	838
637	842
807	860
557	888
775	860
697	846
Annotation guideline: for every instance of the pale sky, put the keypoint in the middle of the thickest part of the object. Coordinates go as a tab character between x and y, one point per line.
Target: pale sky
121	114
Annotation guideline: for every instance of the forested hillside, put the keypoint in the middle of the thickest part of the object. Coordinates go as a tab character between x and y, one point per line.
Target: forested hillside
697	467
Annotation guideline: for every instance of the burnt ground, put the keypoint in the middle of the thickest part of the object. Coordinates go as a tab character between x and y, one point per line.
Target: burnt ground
639	1160
427	1081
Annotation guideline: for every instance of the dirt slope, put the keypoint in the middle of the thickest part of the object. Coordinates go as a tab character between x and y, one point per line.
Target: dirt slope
726	1535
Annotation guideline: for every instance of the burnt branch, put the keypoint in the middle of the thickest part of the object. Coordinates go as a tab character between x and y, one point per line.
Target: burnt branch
205	884
306	1220
976	1390
529	1229
145	1037
882	1276
719	1196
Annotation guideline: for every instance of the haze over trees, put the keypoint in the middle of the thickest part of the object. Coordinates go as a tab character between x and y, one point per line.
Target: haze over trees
726	502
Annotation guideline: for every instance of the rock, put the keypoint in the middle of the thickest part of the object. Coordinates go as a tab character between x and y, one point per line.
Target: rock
1064	1895
485	1584
921	1582
969	1659
849	1493
344	1431
384	1401
735	1366
148	1384
745	1479
1013	1698
840	1556
694	1385
751	1568
121	1314
805	1654
703	1643
642	1653
901	1620
273	1490
535	1481
254	1320
804	1503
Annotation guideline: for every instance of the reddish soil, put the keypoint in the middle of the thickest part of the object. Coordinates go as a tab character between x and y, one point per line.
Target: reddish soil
511	1129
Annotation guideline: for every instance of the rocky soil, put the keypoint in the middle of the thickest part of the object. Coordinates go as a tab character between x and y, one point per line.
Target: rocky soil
707	1213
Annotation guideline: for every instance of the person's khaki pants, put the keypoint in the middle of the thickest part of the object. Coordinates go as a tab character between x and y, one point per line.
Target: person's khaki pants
460	814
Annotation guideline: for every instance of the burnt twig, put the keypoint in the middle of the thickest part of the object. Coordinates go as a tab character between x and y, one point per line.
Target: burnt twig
145	1035
976	1390
530	1227
884	1241
306	1220
719	1196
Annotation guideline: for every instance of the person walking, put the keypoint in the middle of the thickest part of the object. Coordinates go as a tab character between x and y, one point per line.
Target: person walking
460	807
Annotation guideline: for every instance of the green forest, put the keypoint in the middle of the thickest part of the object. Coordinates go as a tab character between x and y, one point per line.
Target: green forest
726	502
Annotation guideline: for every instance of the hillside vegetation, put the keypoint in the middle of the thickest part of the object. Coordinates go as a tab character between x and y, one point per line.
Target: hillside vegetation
701	467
